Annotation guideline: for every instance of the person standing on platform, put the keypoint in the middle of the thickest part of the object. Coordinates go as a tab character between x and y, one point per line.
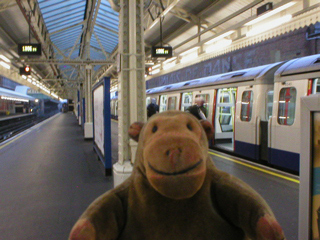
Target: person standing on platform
152	108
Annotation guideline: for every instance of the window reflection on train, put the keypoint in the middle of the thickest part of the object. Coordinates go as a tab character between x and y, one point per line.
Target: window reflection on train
255	112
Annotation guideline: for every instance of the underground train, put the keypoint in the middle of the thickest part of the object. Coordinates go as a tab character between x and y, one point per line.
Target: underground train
255	112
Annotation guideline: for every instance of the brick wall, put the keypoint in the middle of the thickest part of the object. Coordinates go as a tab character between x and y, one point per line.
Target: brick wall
285	47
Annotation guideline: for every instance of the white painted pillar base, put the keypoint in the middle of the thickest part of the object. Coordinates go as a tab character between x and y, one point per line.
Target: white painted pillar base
121	172
88	130
79	119
133	146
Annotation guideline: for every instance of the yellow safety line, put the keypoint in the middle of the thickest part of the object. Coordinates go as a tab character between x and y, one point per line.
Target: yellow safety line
11	141
256	168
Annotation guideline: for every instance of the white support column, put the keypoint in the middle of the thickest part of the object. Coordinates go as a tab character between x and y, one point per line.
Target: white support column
88	125
131	87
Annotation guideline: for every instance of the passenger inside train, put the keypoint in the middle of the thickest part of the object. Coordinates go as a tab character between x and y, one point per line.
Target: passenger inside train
152	108
198	109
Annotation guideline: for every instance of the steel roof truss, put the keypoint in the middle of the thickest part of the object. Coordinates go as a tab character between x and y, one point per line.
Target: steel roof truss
101	47
65	29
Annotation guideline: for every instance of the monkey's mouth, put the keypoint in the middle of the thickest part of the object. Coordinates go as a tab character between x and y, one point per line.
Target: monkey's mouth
176	173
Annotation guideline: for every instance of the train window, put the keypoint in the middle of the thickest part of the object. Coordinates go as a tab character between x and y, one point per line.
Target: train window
246	106
186	101
163	103
287	105
206	98
172	101
269	104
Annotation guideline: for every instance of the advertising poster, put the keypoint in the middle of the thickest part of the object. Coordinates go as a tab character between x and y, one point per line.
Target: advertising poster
316	178
99	118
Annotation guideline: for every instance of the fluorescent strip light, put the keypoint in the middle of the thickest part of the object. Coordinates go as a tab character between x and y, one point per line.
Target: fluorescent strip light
155	71
24	77
220	37
189	51
269	14
4	58
14	99
170	60
269	25
169	65
218	45
54	95
156	66
7	66
189	57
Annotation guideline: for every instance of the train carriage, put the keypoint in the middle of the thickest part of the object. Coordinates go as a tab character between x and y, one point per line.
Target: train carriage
255	112
293	80
245	90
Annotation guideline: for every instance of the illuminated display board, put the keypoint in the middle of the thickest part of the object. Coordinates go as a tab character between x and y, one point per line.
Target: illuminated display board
165	52
27	49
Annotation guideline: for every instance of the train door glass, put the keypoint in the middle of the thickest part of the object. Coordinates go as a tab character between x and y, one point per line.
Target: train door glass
186	101
246	106
206	98
269	104
316	86
148	101
287	106
224	117
172	102
163	103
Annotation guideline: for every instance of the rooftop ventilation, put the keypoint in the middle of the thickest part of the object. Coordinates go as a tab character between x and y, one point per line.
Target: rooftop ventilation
317	61
238	74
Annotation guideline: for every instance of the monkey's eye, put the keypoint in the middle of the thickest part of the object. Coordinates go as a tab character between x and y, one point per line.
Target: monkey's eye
154	129
189	126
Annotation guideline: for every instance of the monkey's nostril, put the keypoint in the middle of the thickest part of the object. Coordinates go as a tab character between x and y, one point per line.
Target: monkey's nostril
168	152
180	150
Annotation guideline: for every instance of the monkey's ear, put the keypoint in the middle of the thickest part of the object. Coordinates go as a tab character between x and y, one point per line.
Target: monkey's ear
134	130
207	128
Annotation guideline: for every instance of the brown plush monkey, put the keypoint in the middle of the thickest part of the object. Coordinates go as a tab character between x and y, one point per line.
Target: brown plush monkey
175	192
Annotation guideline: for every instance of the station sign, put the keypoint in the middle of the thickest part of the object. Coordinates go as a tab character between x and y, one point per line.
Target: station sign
163	52
29	49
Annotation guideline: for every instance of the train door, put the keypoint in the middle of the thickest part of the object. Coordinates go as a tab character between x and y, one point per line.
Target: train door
245	121
173	101
163	103
186	101
265	126
284	142
251	123
224	118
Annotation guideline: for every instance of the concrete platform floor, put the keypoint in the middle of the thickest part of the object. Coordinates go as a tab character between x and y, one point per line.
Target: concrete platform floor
50	174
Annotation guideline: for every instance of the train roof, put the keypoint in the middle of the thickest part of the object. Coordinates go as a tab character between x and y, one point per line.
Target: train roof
262	74
14	95
292	70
